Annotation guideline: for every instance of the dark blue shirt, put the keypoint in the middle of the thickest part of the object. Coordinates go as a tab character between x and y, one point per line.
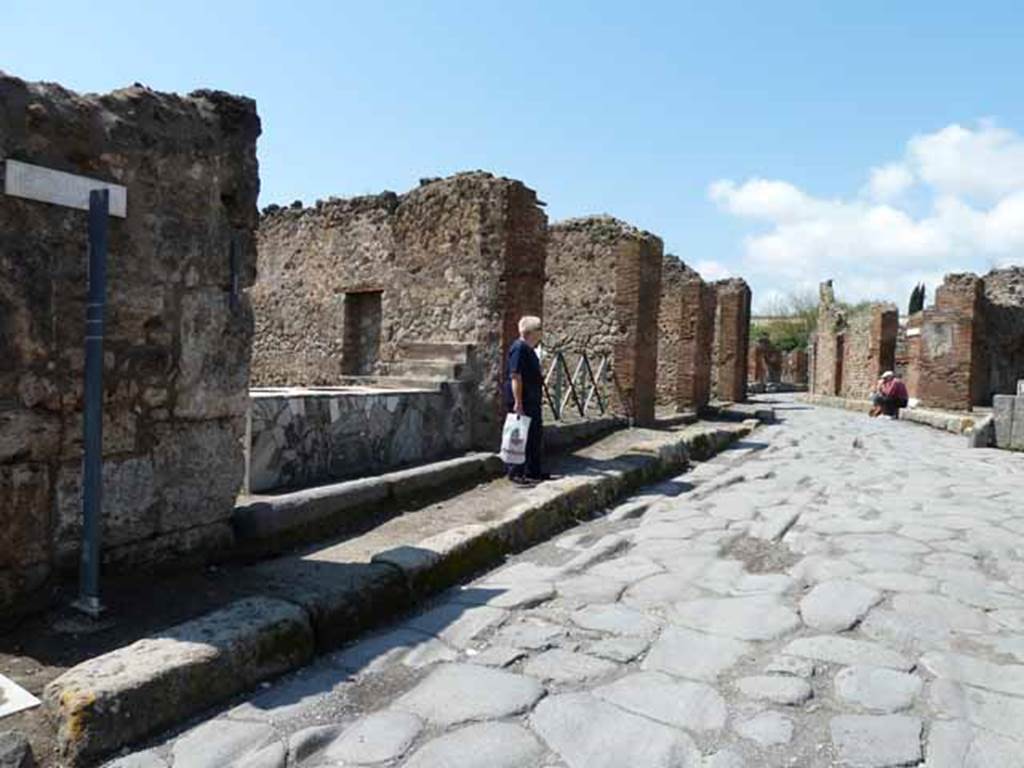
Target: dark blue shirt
522	359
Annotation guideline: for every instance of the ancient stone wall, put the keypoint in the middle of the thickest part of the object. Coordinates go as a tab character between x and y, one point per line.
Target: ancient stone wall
869	349
346	286
602	296
850	350
765	362
732	339
685	336
946	352
178	339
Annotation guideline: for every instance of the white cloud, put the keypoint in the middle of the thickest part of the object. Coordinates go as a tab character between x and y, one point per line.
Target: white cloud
968	187
889	182
712	270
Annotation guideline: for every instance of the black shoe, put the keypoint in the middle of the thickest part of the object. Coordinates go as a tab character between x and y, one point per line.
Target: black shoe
525	482
543	478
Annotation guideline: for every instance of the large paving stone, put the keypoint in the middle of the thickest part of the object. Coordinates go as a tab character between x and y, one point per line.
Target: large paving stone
778	689
620	649
456	693
663	589
768	729
482	745
377	651
616	620
531	634
375	738
587	588
847	651
457	624
761	617
992	711
897	581
220	743
627	569
694	655
1002	678
877	688
693	706
956	744
834	606
876	741
562	666
953	613
587	732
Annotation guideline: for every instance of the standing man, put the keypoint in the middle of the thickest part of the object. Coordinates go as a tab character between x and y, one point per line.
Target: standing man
524	395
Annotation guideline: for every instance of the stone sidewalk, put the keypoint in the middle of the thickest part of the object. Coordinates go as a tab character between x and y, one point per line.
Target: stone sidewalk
850	593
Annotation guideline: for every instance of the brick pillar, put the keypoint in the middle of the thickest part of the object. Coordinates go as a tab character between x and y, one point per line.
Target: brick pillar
685	337
602	296
732	339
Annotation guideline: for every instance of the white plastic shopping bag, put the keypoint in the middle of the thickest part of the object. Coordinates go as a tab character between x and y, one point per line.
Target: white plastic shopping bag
513	439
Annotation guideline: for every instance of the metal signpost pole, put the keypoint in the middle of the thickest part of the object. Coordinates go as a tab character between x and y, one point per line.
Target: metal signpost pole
92	462
101	199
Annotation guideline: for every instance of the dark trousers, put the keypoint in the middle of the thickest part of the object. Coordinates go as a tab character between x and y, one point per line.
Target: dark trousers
889	405
534	450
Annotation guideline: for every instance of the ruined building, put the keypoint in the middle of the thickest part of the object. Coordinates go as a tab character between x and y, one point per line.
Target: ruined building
969	345
851	349
178	328
686	326
602	296
427	284
732	340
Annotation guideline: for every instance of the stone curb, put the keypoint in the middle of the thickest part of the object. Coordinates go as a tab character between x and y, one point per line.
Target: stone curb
127	694
121	697
271	524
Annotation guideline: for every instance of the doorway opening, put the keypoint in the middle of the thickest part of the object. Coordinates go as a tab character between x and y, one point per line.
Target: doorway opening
361	347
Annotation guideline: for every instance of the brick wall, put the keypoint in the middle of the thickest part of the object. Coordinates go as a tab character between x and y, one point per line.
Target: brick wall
765	362
732	339
686	330
455	260
177	344
602	296
851	350
946	352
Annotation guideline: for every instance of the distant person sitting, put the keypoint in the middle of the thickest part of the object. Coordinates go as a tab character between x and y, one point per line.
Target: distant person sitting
524	391
890	395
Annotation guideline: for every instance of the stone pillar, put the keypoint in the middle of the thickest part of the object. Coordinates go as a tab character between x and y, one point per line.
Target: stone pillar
602	296
732	339
178	335
686	328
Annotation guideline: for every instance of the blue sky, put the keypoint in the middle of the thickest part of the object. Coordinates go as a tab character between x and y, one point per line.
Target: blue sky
745	134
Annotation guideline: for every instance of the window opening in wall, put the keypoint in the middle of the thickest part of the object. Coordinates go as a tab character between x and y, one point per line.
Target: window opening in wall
840	353
361	348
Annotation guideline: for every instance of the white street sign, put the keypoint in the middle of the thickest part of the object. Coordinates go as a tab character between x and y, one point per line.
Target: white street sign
46	185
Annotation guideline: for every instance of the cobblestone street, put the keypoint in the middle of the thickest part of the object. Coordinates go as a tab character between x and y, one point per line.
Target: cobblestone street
834	590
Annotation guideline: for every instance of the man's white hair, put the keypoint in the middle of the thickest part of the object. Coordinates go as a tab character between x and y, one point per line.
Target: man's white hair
529	324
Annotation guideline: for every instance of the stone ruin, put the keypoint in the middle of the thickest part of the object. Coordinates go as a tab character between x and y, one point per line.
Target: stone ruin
732	340
602	295
850	350
432	282
686	327
178	334
391	313
960	352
